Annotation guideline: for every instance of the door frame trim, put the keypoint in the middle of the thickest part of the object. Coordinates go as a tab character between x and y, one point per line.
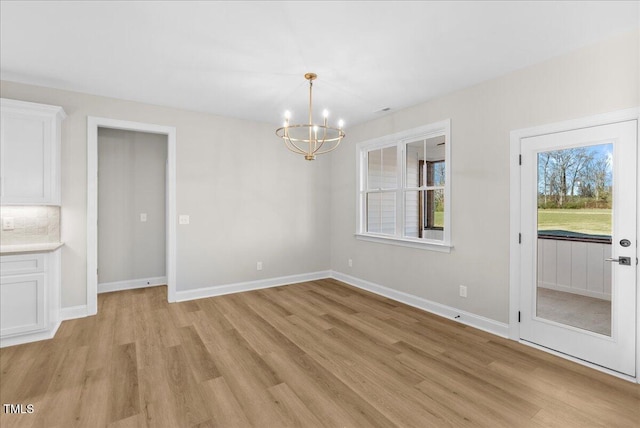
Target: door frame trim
514	217
93	123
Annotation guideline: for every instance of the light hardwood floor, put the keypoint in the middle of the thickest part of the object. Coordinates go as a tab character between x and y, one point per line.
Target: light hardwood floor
313	354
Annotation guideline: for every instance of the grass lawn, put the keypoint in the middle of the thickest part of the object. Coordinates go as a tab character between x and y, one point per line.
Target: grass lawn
438	219
591	221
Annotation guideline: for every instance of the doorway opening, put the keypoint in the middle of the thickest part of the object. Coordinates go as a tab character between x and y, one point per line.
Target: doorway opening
94	126
131	209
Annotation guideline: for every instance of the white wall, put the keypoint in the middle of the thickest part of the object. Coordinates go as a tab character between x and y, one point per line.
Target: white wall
593	80
249	198
131	181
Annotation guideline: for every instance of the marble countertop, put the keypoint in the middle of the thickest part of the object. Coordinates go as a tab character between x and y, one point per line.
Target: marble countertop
6	250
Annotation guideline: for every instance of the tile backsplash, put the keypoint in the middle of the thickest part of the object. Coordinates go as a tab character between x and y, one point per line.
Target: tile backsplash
31	225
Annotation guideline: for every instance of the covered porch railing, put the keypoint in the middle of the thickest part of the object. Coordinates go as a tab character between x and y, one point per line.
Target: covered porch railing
575	263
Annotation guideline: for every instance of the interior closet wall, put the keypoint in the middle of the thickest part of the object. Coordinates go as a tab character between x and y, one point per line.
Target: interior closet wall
131	185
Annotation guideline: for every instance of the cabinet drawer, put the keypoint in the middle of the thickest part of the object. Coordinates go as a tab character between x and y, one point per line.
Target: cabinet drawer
21	264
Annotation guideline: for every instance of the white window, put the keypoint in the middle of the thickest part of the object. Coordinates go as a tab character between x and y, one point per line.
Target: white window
404	188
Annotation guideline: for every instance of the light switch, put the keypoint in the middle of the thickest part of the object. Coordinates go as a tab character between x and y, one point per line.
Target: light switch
183	219
7	223
143	217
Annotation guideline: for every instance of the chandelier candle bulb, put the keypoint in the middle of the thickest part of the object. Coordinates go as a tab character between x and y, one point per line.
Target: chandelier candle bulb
303	138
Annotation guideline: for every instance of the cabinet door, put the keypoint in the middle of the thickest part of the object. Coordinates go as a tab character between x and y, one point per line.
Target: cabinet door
30	153
22	304
26	158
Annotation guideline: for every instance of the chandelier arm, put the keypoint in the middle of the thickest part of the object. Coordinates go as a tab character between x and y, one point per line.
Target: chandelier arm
319	146
338	140
291	146
295	150
335	140
327	151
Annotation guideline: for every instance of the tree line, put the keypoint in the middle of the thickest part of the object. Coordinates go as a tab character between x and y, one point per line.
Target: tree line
574	178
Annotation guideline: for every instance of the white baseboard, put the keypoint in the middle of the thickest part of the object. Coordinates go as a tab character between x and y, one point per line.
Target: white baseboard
578	291
73	312
201	293
130	284
476	321
20	339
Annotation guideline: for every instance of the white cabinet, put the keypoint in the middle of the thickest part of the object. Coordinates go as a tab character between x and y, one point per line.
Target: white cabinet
29	296
30	153
22	300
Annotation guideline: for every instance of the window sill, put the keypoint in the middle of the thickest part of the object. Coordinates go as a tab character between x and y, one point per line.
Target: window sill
406	242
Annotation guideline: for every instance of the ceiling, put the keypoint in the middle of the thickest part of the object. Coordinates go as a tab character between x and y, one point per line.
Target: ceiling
247	59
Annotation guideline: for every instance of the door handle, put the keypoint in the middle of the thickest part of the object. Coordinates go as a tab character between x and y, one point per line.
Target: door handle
626	261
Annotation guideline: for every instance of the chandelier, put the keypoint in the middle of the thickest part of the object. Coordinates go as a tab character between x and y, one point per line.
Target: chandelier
309	139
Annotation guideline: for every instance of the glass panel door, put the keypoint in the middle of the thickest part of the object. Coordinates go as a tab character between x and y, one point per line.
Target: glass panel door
575	198
578	243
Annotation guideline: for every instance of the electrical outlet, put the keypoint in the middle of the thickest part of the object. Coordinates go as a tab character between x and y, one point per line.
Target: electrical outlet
7	223
259	266
350	263
463	291
183	219
143	217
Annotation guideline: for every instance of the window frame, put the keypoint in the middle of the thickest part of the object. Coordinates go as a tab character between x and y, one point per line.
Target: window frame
400	141
424	203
